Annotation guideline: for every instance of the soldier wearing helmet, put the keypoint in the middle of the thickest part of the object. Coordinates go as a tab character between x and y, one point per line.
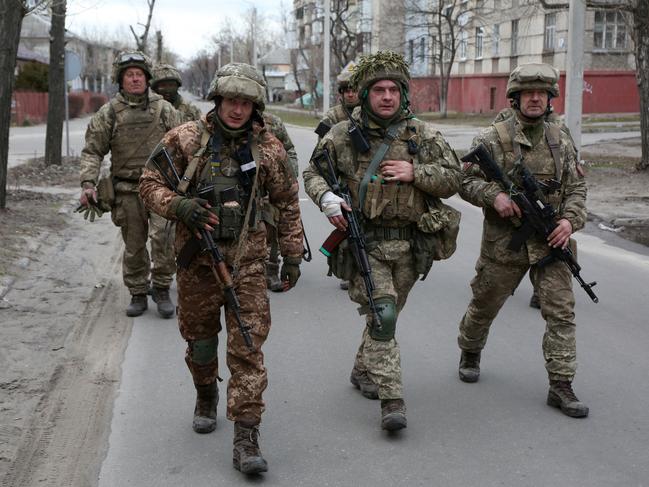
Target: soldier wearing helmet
396	181
348	101
166	82
228	162
526	136
129	126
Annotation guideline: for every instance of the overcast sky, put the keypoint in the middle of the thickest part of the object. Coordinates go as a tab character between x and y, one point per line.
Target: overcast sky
186	24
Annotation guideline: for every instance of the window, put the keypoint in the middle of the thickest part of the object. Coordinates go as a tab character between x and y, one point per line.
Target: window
479	38
411	50
495	41
609	31
462	48
549	39
422	49
514	38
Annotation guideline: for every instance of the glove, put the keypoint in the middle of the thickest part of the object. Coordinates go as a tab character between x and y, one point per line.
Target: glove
330	204
290	272
192	212
90	211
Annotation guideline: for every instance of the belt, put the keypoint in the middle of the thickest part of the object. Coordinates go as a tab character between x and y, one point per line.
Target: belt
389	233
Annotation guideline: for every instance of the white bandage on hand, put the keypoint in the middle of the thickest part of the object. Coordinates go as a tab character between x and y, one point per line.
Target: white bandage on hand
330	204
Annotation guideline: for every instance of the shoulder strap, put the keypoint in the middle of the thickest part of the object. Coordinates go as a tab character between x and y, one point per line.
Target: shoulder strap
390	135
553	136
505	129
186	179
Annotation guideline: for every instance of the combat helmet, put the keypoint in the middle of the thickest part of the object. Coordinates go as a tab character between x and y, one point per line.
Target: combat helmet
533	76
343	79
379	66
128	59
166	72
239	80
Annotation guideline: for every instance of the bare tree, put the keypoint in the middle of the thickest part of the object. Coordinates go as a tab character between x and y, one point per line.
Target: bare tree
344	17
12	13
142	40
57	84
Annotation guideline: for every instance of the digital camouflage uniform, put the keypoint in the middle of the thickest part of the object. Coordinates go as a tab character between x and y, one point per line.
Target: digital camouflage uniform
499	270
390	213
129	127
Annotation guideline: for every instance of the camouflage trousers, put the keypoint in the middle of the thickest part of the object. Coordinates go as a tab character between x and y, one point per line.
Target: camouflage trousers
200	300
394	275
137	225
495	282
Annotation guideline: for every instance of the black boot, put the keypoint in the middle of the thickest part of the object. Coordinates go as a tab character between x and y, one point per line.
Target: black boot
393	414
362	382
246	456
161	297
534	301
562	396
137	306
273	282
469	366
207	397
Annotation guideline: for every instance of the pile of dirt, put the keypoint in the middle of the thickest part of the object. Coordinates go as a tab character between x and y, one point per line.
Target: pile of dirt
37	173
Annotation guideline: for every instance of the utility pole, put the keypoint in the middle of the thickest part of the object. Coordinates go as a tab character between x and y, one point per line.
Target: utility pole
327	54
575	69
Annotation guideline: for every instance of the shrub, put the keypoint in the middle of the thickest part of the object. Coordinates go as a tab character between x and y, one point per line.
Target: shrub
33	77
75	104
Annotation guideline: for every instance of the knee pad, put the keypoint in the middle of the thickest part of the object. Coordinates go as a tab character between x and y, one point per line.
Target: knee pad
202	352
387	310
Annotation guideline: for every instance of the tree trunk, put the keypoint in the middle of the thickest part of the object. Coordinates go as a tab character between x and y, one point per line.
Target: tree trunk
11	20
641	27
57	85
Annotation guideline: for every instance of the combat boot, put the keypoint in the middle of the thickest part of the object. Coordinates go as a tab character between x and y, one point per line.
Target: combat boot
246	456
469	366
562	396
207	397
393	414
138	305
344	284
273	281
534	301
161	297
362	382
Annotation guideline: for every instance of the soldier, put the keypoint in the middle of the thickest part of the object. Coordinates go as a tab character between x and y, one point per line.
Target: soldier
129	126
396	187
528	138
234	161
166	82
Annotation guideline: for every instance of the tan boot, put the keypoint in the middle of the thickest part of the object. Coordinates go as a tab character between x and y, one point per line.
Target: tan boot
246	455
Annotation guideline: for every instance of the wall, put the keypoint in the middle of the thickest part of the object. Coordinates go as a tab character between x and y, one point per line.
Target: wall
31	107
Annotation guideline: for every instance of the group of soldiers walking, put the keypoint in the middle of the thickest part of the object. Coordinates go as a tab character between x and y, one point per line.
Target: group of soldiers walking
217	197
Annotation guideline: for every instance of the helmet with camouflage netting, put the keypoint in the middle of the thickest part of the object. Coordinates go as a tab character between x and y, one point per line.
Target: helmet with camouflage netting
239	80
533	76
380	66
344	78
131	59
166	72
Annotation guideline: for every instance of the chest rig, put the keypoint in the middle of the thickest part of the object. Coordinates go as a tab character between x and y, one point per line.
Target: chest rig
227	181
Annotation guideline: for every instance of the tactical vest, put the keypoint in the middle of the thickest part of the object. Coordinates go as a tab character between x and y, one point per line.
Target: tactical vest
136	132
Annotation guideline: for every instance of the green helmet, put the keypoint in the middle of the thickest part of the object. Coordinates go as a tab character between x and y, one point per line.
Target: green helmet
239	80
131	59
166	72
379	66
533	76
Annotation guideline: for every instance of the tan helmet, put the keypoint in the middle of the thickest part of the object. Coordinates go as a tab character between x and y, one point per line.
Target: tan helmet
129	59
379	66
343	79
239	80
533	76
166	72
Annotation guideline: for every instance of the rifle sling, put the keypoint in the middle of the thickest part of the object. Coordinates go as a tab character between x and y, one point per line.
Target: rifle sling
390	135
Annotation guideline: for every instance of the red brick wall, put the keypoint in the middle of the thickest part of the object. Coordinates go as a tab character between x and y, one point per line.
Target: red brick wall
32	107
605	92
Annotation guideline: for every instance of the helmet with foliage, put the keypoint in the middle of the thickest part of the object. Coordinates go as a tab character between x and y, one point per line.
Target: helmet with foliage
344	78
239	80
380	66
131	59
165	72
533	76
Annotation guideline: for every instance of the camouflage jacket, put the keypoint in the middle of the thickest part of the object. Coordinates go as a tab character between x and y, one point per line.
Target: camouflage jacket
278	129
103	132
437	172
188	111
569	200
273	179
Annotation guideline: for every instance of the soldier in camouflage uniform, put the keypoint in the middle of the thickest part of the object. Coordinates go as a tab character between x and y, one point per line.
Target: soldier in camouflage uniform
129	126
392	191
166	82
546	149
234	161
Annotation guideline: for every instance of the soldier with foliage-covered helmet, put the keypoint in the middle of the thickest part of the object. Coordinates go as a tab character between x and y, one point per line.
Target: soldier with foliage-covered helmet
166	82
396	176
128	127
348	101
526	136
227	163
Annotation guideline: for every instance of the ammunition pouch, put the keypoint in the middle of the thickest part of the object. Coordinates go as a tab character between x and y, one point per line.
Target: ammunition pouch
322	129
105	194
393	201
387	311
436	235
230	222
341	261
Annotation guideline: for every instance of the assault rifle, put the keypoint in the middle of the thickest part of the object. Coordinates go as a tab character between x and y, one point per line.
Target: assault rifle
207	244
538	217
353	234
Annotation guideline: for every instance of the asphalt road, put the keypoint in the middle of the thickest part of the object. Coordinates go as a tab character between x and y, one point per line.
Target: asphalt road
319	431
